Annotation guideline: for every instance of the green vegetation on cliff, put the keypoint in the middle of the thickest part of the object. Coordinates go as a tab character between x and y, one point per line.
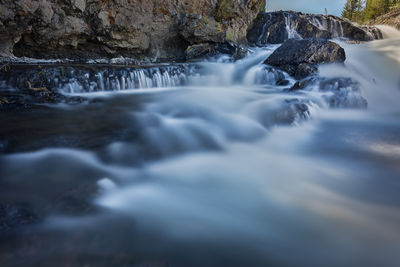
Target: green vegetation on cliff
229	9
368	10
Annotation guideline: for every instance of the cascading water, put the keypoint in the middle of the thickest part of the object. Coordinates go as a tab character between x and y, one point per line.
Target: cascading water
126	79
390	45
226	167
327	23
291	27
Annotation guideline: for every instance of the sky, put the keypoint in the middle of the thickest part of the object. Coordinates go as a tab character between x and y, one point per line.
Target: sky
310	6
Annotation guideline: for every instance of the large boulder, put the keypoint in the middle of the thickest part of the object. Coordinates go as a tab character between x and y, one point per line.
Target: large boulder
299	58
277	27
81	29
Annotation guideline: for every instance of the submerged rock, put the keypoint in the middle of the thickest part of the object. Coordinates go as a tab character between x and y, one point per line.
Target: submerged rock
300	57
346	93
340	92
277	27
289	112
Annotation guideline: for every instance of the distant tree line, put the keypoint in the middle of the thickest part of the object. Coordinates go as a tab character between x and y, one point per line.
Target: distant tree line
367	10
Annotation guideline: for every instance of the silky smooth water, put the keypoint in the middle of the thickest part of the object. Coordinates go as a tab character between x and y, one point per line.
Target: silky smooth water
226	169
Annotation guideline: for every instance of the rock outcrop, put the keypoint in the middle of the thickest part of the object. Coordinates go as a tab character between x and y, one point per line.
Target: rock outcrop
110	28
277	27
299	58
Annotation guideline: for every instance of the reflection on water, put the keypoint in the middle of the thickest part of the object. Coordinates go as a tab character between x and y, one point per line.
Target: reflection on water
222	172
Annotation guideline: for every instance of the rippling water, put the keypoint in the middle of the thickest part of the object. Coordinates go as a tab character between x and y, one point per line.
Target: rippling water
228	168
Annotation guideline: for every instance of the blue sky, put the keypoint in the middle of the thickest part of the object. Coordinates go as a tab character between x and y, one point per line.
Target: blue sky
311	6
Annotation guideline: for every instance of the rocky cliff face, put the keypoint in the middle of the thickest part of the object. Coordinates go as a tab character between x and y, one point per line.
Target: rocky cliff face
392	19
110	28
277	27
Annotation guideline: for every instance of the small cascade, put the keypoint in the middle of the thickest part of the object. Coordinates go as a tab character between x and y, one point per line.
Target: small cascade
291	27
390	45
247	71
264	31
220	71
316	22
263	75
334	26
125	79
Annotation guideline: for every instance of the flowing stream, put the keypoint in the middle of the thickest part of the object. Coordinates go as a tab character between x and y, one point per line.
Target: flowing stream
212	164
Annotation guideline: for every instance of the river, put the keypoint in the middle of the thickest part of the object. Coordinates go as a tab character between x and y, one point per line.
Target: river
213	164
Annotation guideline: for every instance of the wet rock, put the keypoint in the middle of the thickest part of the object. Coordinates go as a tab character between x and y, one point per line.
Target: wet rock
341	92
304	70
207	50
300	57
277	27
300	85
271	76
376	33
347	93
291	111
282	82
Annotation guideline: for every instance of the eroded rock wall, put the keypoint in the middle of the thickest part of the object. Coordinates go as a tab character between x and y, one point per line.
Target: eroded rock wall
136	28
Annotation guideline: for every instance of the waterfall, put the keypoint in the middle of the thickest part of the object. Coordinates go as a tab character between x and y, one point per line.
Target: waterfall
291	27
250	71
264	31
332	25
125	79
336	28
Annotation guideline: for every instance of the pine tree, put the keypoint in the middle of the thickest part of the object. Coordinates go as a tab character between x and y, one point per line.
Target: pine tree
352	9
367	10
